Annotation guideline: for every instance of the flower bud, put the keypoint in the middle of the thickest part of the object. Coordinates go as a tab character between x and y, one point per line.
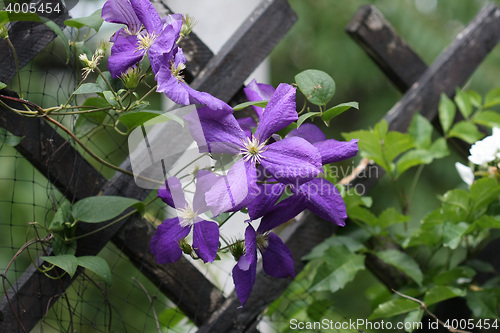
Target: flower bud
187	25
237	249
186	248
4	32
131	78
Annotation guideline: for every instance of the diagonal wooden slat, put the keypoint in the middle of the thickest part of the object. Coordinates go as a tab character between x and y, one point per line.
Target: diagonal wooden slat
450	70
181	281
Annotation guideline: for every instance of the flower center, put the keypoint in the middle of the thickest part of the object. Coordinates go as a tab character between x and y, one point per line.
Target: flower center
176	71
262	242
187	216
252	149
145	41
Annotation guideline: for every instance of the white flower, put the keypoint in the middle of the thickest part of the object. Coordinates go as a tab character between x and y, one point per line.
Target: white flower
465	173
487	149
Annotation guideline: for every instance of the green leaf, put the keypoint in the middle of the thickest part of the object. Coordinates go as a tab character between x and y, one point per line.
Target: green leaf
440	293
339	268
412	318
463	102
482	303
446	112
457	197
86	122
319	250
241	106
110	98
66	262
412	158
102	208
394	307
492	98
453	233
483	192
391	216
88	88
116	84
487	118
453	275
439	148
338	109
8	138
421	131
317	86
488	222
170	317
97	265
397	143
62	215
306	116
133	119
93	21
465	131
403	262
475	98
2	85
61	247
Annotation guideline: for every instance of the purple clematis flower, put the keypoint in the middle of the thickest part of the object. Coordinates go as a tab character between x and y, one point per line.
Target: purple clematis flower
308	195
318	195
165	242
132	43
258	92
171	82
277	261
291	161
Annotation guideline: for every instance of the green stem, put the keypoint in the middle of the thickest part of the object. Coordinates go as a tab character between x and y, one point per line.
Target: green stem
111	88
227	219
16	61
146	95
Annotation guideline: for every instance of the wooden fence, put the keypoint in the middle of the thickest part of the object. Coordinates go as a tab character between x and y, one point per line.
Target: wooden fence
223	75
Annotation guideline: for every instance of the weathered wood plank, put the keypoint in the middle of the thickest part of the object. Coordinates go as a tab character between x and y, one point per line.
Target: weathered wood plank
388	50
450	70
201	298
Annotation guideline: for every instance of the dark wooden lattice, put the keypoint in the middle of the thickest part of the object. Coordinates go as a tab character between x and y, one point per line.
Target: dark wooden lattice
222	75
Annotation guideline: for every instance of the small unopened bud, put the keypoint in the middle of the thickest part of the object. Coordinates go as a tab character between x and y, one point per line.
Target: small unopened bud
4	32
131	78
188	24
102	48
237	249
185	247
83	58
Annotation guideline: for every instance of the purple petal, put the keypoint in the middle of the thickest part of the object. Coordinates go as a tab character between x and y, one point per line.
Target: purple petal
308	131
266	199
292	160
277	259
121	11
172	193
334	151
215	132
148	15
206	240
234	189
162	51
180	92
123	55
247	124
258	92
204	182
281	213
279	112
250	256
244	281
323	199
165	241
